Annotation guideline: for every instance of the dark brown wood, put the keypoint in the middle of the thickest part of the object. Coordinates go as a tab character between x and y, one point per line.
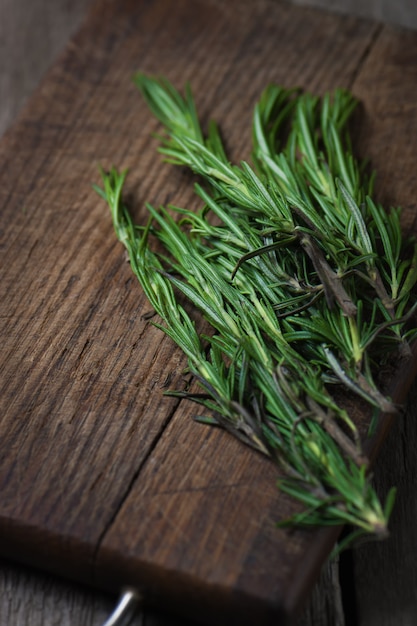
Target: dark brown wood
33	598
102	478
400	12
385	575
31	36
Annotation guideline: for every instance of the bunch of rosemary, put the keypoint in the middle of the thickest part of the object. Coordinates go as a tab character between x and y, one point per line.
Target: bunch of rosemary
304	280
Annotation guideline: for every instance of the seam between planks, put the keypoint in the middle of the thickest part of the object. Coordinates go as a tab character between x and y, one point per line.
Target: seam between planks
129	488
379	28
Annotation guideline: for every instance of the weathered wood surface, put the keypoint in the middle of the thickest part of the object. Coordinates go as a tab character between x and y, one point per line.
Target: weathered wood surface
31	36
30	598
71	306
386	574
400	12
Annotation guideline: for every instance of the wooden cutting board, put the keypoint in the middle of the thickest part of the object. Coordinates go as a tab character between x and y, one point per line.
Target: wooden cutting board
102	478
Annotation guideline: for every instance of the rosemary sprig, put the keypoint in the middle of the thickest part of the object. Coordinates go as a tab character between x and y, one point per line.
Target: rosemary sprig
303	279
320	217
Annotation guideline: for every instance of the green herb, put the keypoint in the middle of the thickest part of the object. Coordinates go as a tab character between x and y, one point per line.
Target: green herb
304	280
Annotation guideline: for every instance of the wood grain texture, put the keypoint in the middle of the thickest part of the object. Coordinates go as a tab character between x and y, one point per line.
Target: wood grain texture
386	574
102	479
400	12
29	598
73	405
33	598
31	36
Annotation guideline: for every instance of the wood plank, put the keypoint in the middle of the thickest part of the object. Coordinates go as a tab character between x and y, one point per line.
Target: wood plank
83	373
30	598
33	598
31	36
76	424
401	12
36	599
386	574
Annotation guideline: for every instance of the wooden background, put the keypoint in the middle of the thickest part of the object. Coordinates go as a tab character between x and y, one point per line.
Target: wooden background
32	33
401	12
386	579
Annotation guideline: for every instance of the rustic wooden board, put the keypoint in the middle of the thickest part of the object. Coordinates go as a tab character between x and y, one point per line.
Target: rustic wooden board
385	574
102	478
400	12
31	36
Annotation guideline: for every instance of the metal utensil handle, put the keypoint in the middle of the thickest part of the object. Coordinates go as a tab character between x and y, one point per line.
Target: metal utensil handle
128	602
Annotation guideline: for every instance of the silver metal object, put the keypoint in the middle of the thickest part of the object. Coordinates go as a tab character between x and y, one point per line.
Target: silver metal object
129	601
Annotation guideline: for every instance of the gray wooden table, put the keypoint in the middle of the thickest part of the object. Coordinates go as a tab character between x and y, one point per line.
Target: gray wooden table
382	580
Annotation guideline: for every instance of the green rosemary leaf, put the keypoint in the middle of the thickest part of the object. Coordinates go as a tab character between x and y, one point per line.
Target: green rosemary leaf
363	235
411	277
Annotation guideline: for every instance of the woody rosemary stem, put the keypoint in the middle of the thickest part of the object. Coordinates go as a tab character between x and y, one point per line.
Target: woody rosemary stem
289	262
